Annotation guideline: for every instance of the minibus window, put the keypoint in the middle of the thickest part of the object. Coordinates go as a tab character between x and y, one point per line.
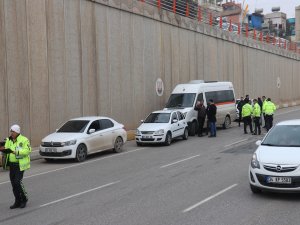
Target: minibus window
181	100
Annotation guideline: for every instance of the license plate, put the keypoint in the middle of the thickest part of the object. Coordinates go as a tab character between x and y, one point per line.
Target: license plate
50	150
279	180
147	137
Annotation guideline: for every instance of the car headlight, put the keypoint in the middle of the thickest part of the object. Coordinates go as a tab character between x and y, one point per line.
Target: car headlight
138	132
159	132
67	143
255	162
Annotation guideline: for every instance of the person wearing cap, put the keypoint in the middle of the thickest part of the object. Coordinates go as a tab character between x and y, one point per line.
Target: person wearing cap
17	149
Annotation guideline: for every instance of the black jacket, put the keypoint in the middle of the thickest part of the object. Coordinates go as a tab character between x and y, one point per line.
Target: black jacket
201	111
211	112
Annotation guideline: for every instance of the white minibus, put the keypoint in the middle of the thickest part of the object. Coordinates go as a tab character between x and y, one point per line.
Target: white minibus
185	96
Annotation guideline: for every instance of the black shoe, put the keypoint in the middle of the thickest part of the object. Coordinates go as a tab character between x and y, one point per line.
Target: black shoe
23	205
15	205
200	135
245	132
253	133
210	136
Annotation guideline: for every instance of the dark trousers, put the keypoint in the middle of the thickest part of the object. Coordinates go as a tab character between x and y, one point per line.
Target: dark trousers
257	125
201	121
16	177
269	122
247	121
240	118
213	129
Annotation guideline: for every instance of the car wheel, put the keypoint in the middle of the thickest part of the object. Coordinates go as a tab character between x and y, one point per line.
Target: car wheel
139	144
168	139
118	145
193	129
81	153
254	189
185	135
227	122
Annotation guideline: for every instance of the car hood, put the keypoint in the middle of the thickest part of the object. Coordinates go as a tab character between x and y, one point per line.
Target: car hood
152	126
278	155
61	137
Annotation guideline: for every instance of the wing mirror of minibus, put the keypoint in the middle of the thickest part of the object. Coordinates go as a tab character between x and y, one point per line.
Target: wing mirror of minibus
142	121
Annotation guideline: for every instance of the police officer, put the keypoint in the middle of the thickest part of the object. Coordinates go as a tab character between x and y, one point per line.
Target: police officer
269	109
246	114
17	149
256	117
240	107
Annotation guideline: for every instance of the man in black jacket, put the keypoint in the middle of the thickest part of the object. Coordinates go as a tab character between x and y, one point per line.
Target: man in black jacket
239	107
201	116
211	116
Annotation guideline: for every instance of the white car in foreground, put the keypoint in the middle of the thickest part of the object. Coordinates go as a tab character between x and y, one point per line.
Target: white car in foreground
161	127
82	136
275	165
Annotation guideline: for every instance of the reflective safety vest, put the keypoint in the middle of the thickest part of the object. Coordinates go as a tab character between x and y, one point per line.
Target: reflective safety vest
256	110
247	110
21	148
269	108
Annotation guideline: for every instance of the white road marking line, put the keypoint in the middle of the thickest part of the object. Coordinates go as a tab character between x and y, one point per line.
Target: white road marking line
78	194
75	165
237	142
209	198
179	161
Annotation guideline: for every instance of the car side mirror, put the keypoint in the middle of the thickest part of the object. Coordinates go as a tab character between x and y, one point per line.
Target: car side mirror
91	131
258	143
174	121
142	121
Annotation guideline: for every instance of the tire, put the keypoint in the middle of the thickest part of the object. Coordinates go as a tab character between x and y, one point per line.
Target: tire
118	145
254	189
227	122
168	139
193	129
81	153
185	135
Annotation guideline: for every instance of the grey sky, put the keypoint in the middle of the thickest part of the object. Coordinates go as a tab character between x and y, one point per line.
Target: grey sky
286	6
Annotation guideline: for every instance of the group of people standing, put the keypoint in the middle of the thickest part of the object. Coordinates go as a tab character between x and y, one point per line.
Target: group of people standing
254	112
210	112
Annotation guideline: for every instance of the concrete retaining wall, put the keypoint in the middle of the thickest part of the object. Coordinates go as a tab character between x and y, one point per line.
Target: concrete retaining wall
61	59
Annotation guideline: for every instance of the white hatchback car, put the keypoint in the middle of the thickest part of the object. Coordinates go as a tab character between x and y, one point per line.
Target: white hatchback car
275	165
81	136
161	127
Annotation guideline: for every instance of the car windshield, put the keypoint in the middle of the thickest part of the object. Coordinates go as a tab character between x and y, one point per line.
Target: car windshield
284	135
74	126
181	100
158	118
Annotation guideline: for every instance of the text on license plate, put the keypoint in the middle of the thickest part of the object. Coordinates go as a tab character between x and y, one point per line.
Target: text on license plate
147	137
50	150
279	180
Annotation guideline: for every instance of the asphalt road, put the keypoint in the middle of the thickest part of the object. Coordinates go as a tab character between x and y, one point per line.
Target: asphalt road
198	181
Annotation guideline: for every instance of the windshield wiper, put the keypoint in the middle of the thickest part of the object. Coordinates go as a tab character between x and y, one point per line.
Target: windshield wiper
268	144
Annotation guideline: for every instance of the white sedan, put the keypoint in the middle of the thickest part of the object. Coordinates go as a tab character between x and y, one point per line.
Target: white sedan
82	136
275	165
162	127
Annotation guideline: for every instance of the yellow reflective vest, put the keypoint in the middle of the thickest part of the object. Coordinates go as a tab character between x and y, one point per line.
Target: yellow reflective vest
246	110
21	148
256	110
269	108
